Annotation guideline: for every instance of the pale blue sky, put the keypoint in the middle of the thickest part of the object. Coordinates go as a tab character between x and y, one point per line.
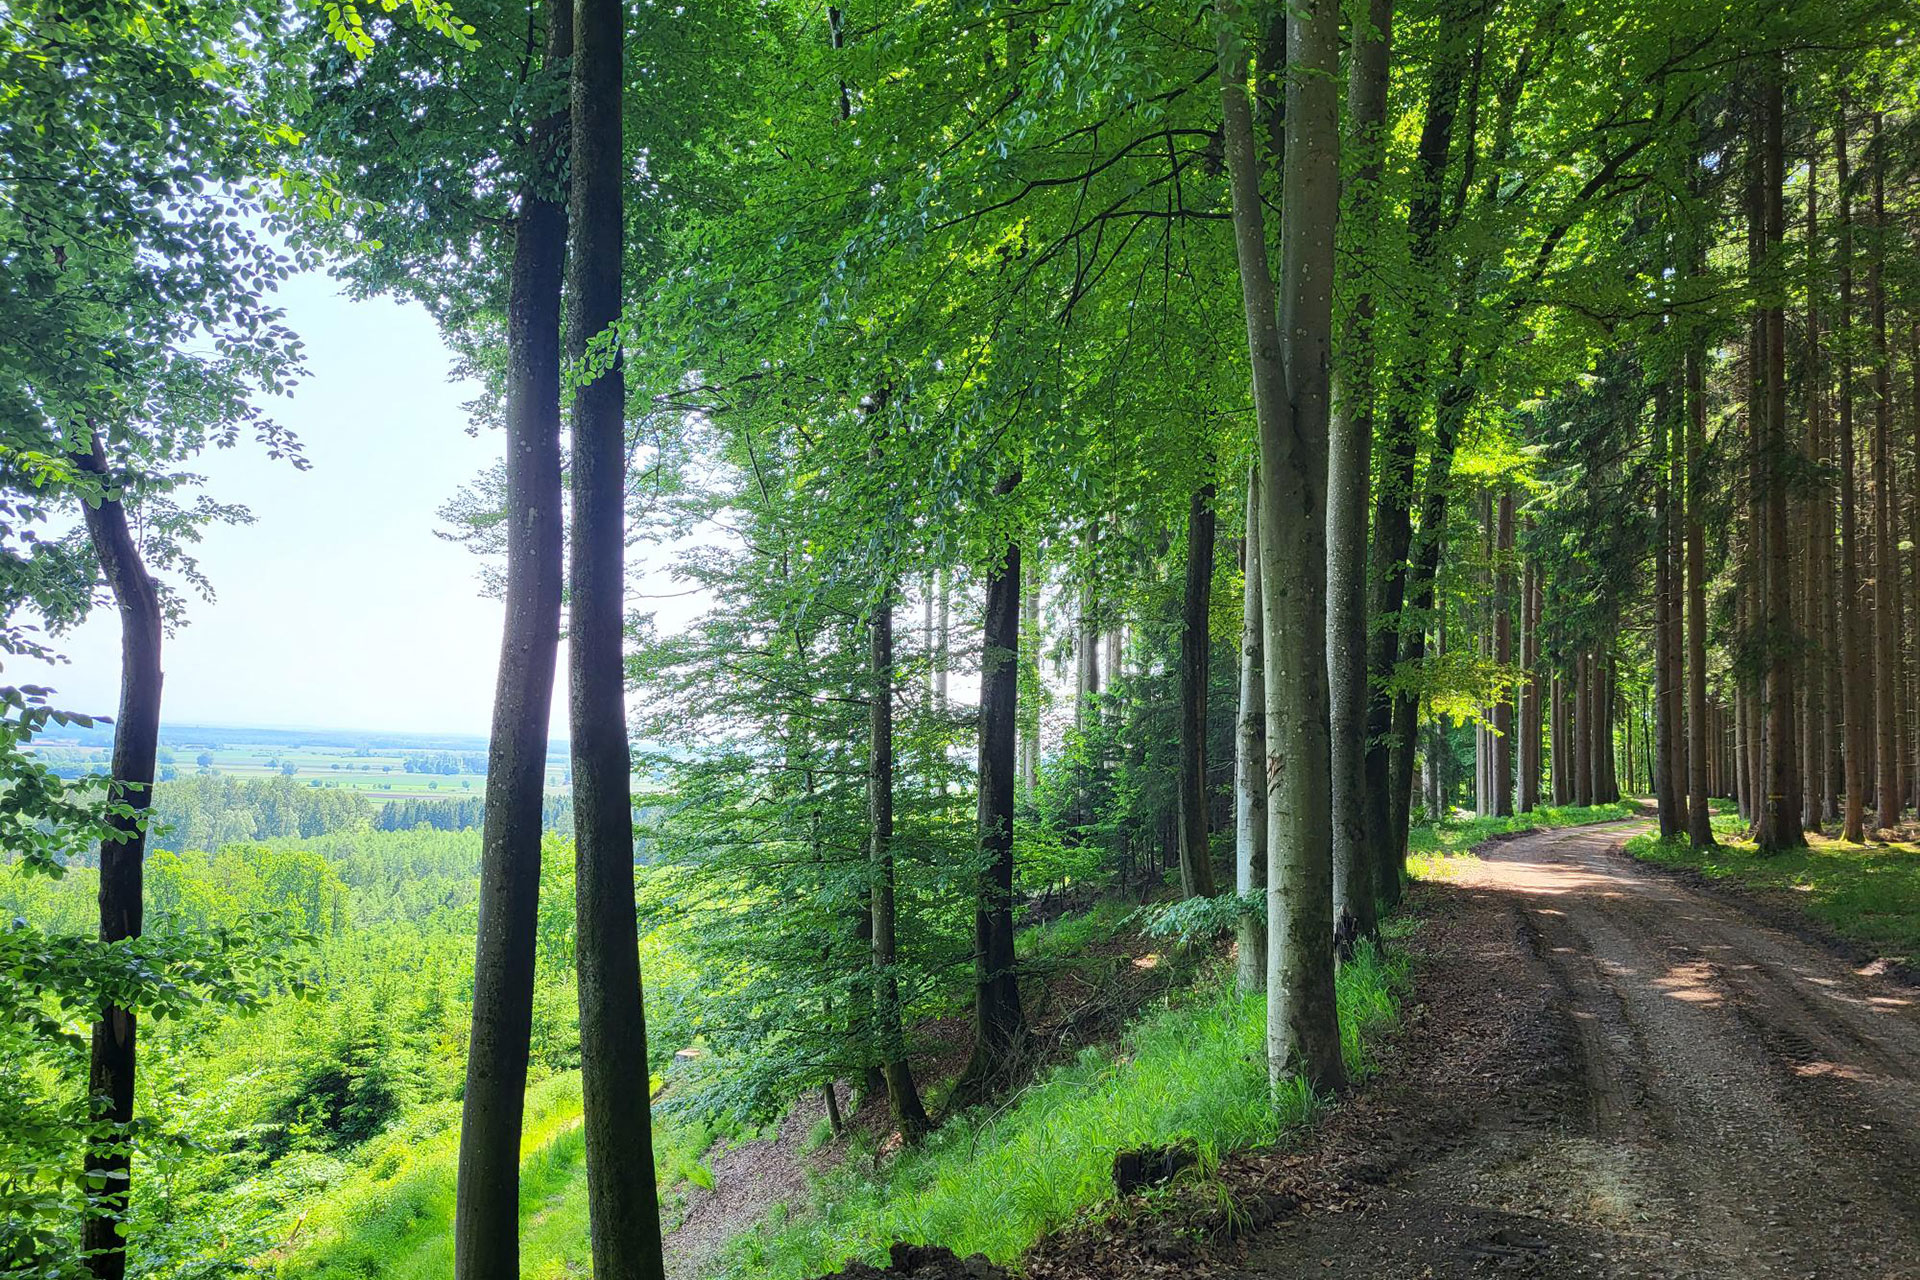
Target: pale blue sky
338	607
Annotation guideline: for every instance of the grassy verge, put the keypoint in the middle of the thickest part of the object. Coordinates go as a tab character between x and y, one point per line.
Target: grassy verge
994	1184
1867	893
1434	848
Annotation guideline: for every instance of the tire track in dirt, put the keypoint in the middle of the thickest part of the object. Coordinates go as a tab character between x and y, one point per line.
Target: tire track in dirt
1735	1102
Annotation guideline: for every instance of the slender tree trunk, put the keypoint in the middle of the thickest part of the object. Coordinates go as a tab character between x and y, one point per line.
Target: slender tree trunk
1503	655
1665	785
1886	569
1302	1021
1399	452
1813	585
1583	730
1699	810
623	1210
136	741
1196	859
1349	480
1559	771
1854	683
1250	763
486	1232
1780	817
903	1097
999	1023
1030	641
1530	690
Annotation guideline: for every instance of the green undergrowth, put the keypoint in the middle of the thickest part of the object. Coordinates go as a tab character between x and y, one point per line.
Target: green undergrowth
392	1218
994	1182
1434	848
1869	893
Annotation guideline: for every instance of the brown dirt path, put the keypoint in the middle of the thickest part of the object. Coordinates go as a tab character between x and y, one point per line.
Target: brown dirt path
1613	1074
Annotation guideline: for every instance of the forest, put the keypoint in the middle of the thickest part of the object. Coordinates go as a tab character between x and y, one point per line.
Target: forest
1303	654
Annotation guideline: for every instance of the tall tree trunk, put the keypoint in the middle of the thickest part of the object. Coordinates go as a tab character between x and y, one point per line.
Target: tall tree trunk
1530	690
1196	859
903	1098
1886	568
1250	763
1583	736
1030	644
1503	655
1699	810
1302	1021
623	1211
1348	482
486	1228
1780	818
1395	491
1854	683
136	741
999	1023
1816	533
1665	785
1560	771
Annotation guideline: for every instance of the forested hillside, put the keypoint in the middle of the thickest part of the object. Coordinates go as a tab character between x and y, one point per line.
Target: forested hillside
1147	484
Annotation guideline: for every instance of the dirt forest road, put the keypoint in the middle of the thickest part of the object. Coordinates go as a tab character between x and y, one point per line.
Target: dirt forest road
1614	1074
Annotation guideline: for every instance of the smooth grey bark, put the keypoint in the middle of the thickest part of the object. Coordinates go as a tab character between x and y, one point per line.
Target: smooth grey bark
623	1210
1302	1026
1250	762
903	1098
486	1223
1196	859
122	894
1349	482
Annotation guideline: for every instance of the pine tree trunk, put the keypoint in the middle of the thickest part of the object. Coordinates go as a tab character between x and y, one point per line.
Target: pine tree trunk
1816	532
1250	763
903	1098
486	1232
1665	785
1584	702
1302	1021
1886	569
623	1209
136	742
1196	859
999	1022
1699	808
1855	687
1780	817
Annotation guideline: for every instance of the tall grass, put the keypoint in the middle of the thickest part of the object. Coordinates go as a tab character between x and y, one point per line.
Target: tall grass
1193	1071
